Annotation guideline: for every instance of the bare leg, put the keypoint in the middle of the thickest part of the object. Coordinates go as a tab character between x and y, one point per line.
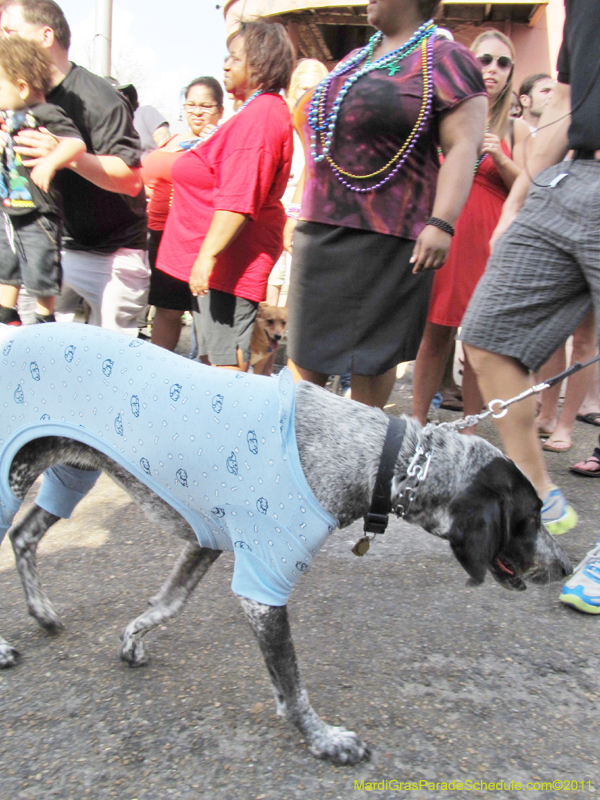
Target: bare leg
301	374
166	328
45	305
432	357
272	630
591	401
557	362
192	565
502	377
584	347
9	295
449	386
472	400
373	390
25	538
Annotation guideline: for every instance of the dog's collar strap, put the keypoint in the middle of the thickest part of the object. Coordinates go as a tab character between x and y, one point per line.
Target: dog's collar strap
376	519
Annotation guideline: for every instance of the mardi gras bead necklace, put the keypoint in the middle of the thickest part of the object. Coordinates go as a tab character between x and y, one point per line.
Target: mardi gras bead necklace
323	125
250	99
481	157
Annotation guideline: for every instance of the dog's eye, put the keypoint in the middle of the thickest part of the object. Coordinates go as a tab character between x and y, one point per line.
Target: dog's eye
270	322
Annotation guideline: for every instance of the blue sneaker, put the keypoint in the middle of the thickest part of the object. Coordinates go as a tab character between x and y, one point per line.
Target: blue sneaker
557	515
582	590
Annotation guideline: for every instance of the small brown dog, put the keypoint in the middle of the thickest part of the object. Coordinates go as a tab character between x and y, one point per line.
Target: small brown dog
270	325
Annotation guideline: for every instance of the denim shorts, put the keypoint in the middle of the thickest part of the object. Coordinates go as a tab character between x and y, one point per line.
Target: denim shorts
30	253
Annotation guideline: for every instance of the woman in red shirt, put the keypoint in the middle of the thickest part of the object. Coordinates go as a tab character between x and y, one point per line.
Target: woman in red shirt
203	110
225	228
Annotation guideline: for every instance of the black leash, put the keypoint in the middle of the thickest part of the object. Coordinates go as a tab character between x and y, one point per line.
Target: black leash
376	519
498	408
573	368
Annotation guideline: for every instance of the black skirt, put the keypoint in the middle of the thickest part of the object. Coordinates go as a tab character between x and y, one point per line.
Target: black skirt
354	304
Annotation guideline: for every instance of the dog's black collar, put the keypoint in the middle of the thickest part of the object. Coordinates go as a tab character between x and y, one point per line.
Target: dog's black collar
376	519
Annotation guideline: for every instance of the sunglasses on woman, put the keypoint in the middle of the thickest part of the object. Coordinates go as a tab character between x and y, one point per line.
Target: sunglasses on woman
485	59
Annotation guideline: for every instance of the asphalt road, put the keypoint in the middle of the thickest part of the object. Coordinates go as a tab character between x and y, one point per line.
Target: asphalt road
446	683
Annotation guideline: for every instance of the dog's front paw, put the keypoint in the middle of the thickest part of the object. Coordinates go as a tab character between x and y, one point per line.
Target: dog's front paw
49	620
8	655
42	610
339	746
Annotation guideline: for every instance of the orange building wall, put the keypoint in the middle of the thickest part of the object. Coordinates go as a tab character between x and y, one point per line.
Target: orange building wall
537	46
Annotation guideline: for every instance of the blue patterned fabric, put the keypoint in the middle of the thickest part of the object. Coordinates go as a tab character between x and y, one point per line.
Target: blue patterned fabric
219	446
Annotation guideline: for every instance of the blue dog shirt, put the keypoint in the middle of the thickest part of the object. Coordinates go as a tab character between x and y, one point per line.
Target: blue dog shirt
218	446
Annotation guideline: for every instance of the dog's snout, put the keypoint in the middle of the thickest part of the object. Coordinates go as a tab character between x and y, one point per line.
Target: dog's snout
277	336
551	563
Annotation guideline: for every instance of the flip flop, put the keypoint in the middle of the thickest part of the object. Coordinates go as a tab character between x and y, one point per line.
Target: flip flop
592	418
552	449
451	405
586	473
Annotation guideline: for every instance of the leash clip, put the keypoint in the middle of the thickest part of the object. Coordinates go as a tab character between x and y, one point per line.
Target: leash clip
503	408
416	470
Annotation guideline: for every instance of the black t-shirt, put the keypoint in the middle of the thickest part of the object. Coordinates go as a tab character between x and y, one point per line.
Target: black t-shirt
96	219
578	63
18	192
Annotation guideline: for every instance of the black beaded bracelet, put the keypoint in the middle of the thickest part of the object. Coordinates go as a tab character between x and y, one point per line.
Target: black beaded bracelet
441	224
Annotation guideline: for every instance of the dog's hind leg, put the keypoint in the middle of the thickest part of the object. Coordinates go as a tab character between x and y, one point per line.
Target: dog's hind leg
191	566
25	538
272	629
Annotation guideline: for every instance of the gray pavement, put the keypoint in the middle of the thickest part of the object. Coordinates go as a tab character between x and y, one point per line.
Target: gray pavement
446	683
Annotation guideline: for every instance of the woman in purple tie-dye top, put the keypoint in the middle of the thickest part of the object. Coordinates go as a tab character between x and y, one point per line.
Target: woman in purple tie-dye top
376	208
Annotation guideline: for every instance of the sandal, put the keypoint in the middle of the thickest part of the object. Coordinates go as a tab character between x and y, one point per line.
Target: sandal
451	404
595	473
551	447
593	418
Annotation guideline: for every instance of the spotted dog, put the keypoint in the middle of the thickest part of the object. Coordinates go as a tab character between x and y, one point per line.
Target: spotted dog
259	466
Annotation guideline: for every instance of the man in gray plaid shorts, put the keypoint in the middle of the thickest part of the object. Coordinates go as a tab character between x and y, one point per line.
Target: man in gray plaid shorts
544	273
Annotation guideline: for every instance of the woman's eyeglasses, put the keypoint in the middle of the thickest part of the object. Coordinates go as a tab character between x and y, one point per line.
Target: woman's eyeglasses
200	107
485	59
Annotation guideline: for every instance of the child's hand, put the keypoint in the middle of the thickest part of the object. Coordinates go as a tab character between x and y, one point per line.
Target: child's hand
42	174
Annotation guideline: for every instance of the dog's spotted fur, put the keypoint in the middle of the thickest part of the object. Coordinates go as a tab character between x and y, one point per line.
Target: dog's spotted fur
473	496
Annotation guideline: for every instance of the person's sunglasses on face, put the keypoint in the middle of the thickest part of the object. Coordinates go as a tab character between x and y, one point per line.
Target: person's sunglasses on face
503	62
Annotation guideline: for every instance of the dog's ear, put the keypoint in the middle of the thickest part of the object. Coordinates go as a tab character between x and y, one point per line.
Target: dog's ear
481	517
477	532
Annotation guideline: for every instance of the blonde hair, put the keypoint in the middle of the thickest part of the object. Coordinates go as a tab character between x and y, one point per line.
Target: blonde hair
500	110
305	66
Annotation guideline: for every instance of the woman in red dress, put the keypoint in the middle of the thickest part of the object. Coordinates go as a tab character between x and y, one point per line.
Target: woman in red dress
500	164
